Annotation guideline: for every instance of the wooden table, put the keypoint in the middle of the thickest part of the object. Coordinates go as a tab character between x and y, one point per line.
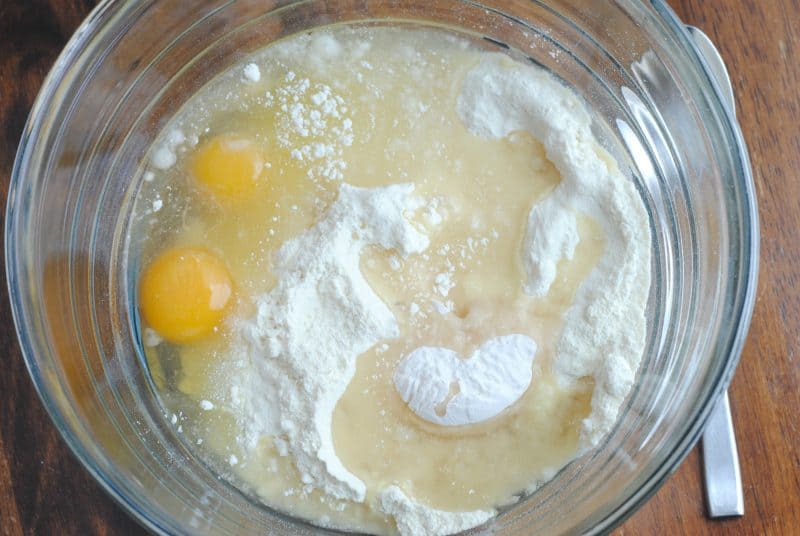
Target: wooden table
44	490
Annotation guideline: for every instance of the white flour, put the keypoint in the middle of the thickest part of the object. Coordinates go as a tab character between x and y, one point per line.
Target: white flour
309	330
444	389
414	519
315	125
251	72
604	329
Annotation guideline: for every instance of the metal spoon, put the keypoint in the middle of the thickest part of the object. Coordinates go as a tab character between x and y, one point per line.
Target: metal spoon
723	479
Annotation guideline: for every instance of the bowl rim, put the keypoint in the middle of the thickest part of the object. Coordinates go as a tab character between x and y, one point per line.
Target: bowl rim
106	11
751	253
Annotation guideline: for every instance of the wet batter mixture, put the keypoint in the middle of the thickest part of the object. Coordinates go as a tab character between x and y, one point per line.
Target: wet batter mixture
390	281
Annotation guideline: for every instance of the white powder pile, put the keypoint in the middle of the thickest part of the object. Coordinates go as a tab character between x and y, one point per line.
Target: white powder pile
309	330
251	72
604	329
414	519
444	389
164	157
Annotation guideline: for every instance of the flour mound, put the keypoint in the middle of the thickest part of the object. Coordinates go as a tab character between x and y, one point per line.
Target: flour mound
414	519
308	331
442	388
605	328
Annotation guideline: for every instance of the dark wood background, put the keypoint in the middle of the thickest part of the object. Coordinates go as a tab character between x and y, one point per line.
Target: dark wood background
43	489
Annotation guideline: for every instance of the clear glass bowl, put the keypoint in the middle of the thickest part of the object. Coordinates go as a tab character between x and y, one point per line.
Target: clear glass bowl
133	63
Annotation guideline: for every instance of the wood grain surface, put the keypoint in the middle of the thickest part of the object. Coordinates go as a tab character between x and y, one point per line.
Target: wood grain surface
44	490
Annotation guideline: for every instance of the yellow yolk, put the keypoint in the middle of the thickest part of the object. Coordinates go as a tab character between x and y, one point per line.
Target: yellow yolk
228	166
183	294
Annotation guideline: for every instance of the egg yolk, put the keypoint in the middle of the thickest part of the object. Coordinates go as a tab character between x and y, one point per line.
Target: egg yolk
183	294
228	166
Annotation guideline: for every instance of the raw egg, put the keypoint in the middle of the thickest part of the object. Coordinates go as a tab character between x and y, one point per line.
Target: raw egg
228	166
183	293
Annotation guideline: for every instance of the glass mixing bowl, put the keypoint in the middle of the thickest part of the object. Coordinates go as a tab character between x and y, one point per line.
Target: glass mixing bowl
133	63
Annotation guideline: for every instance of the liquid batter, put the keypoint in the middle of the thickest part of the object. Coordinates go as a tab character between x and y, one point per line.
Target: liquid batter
258	159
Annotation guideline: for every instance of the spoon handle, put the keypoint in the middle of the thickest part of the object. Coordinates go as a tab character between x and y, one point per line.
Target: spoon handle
723	480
